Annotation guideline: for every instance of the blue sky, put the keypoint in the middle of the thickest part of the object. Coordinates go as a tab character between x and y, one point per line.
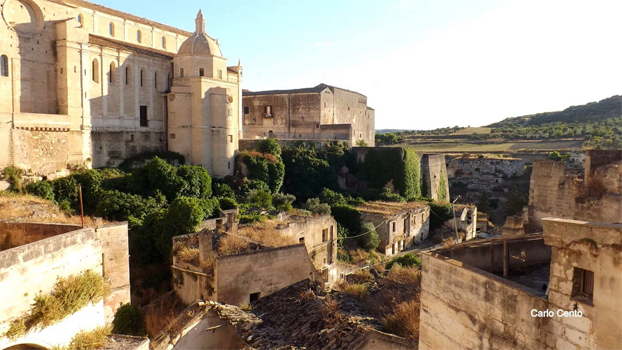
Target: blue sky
422	64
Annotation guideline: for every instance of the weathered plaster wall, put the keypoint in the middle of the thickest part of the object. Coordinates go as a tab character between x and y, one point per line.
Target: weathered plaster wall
263	271
196	335
466	308
115	266
14	234
398	232
594	247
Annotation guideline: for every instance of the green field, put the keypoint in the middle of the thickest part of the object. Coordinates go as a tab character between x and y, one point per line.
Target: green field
472	130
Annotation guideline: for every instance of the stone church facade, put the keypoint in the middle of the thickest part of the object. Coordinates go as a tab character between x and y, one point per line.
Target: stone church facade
86	85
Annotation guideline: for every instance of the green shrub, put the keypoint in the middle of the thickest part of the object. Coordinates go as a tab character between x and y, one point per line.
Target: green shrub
43	189
361	143
370	240
314	206
358	290
66	189
158	175
14	175
140	159
283	202
331	197
120	206
439	213
227	203
387	195
270	146
442	193
405	260
210	206
198	183
348	217
259	199
252	217
129	321
88	340
222	190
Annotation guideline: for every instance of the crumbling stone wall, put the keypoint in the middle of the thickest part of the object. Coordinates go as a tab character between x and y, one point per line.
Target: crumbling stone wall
434	177
264	271
476	168
15	234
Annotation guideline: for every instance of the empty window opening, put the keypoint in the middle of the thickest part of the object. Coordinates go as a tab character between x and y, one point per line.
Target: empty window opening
155	80
220	74
128	72
247	110
142	74
139	36
406	226
181	72
325	235
95	69
201	72
393	226
4	65
171	136
111	73
267	111
301	240
79	18
583	285
229	165
111	28
254	297
143	116
132	138
230	138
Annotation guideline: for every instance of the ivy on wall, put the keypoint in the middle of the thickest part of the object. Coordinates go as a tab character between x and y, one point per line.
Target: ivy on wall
441	192
392	164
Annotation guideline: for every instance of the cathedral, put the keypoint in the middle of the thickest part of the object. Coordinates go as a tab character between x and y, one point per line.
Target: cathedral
86	85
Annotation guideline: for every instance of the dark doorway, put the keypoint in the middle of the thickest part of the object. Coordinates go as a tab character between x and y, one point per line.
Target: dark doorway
255	296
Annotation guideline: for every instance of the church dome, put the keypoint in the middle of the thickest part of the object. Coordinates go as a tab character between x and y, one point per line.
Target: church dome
200	43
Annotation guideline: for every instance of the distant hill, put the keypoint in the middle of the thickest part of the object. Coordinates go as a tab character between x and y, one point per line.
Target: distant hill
591	112
386	131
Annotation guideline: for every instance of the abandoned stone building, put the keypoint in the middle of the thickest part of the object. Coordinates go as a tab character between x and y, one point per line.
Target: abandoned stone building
399	225
322	112
83	84
34	255
560	189
556	290
295	317
240	264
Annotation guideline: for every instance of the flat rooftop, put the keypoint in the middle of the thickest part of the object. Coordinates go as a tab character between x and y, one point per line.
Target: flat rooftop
389	208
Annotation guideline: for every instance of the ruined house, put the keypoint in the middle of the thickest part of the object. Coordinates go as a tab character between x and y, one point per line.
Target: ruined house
556	290
240	264
322	112
34	255
562	190
300	316
398	224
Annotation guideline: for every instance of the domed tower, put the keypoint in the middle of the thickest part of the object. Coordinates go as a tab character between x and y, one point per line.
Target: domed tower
204	104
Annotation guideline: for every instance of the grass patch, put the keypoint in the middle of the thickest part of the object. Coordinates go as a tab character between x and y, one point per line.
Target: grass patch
70	294
88	340
358	290
403	320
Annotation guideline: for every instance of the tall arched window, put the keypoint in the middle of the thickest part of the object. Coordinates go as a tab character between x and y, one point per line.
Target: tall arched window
111	28
4	66
112	73
128	73
139	36
142	76
95	70
79	18
164	42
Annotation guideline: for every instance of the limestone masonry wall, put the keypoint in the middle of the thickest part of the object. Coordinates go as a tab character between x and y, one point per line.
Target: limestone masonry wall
433	168
264	271
15	234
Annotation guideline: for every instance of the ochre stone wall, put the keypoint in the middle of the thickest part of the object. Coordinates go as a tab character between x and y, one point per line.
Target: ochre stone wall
264	271
115	266
433	168
15	234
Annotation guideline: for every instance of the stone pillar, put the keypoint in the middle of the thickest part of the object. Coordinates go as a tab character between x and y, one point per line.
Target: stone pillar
205	244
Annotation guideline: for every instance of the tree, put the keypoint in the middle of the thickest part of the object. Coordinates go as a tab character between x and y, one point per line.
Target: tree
361	143
370	239
483	204
515	203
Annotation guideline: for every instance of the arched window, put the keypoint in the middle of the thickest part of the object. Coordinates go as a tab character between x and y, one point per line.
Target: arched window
139	36
128	73
111	28
95	70
142	75
112	73
79	18
164	42
4	66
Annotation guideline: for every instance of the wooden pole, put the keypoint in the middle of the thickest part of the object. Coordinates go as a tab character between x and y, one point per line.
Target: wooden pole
81	207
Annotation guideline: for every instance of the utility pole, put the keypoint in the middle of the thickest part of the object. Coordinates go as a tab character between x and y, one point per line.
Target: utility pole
81	207
454	212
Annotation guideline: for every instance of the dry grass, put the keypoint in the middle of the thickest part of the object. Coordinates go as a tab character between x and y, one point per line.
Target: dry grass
87	340
403	320
358	290
207	265
404	275
162	314
360	277
28	208
232	244
266	233
331	314
188	255
388	208
449	242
